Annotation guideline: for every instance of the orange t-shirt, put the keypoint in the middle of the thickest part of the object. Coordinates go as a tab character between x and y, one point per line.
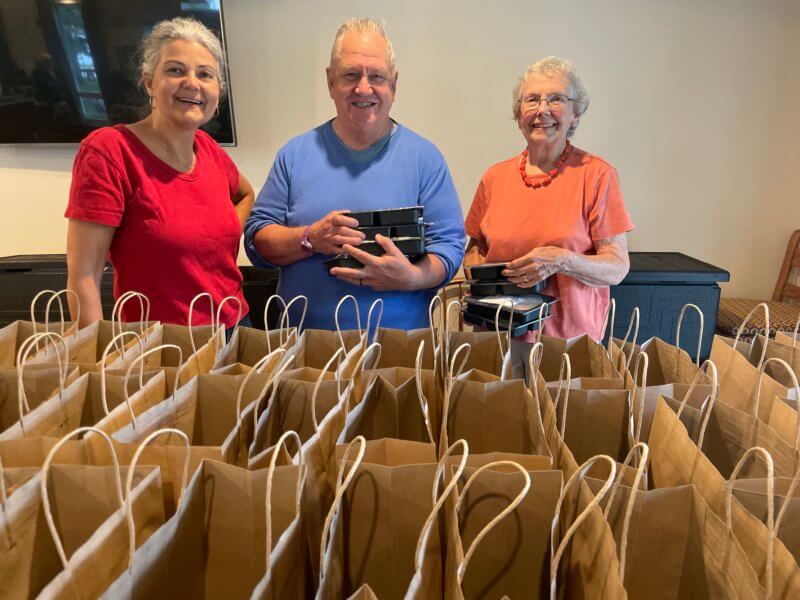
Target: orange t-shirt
584	203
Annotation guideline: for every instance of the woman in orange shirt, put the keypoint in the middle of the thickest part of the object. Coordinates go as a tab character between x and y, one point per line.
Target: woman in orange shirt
554	210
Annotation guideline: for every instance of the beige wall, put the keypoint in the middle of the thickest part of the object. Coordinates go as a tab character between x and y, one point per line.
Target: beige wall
693	103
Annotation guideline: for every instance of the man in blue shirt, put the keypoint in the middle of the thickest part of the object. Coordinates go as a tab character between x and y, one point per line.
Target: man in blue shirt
360	160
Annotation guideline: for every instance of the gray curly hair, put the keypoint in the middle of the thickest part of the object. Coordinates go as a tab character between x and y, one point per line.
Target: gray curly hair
363	25
180	28
550	66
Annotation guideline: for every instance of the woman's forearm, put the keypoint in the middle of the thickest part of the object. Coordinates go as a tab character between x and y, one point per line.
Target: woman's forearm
87	288
608	267
280	245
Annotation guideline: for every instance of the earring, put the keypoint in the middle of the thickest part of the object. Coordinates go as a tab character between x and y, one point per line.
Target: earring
216	112
152	104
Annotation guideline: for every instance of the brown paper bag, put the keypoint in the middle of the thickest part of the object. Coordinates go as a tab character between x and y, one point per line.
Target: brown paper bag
38	384
675	460
738	378
672	545
213	547
731	432
288	566
382	530
489	556
751	494
301	398
589	359
73	502
783	416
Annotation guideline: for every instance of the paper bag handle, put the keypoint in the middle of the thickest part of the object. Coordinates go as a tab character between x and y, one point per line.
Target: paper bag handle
361	366
368	325
440	499
444	354
563	383
214	325
140	359
437	344
423	401
220	326
48	513
770	505
119	306
757	399
534	366
639	375
33	311
113	344
634	323
129	484
608	324
712	399
506	354
57	296
336	318
336	355
787	501
699	334
280	320
765	308
271	474
576	476
273	382
22	358
342	483
252	373
462	568
284	322
643	450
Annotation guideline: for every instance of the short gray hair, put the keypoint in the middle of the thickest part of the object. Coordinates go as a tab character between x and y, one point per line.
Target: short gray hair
550	66
180	28
363	25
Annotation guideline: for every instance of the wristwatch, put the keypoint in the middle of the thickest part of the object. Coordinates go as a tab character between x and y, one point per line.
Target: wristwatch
305	245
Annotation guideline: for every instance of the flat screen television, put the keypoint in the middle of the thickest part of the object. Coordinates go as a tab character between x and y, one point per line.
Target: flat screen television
67	67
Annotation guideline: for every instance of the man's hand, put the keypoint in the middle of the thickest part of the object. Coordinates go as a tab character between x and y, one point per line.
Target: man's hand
392	271
335	229
536	265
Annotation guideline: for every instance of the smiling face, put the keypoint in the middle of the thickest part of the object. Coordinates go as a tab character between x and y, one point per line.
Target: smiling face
184	85
543	124
361	85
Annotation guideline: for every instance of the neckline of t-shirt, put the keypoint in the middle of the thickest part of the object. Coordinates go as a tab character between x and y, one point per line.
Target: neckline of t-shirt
190	176
385	139
572	154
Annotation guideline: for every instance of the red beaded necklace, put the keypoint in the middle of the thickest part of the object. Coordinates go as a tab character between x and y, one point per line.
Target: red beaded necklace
552	174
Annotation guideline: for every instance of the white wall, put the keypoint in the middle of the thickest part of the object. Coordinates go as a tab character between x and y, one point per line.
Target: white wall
694	102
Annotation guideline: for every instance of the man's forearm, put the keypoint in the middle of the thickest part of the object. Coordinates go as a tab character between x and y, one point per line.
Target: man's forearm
598	270
280	245
431	274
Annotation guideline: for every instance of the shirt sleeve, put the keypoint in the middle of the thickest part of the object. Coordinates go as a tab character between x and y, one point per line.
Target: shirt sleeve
98	189
445	236
607	215
270	208
480	203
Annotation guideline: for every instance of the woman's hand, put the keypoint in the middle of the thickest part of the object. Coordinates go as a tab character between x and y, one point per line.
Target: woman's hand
333	231
536	265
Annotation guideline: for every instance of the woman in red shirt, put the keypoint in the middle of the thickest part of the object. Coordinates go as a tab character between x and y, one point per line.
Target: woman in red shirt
555	210
159	197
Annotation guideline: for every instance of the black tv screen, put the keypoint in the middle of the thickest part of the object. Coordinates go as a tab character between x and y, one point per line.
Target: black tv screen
68	67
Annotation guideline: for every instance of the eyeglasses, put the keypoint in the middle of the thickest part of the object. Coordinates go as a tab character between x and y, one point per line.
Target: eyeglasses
374	79
554	101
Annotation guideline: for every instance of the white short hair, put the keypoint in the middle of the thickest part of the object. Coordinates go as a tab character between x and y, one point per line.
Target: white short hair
363	25
550	66
180	28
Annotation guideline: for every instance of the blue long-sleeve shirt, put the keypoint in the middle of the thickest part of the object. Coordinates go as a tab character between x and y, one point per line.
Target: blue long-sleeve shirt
314	174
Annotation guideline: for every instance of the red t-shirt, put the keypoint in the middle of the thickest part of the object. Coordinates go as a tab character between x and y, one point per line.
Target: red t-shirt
177	234
583	204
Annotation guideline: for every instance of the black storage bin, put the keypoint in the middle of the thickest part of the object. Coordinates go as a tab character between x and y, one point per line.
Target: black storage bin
660	284
24	276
